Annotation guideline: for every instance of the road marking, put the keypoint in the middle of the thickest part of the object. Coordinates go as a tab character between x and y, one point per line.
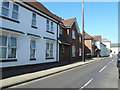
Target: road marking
103	68
87	83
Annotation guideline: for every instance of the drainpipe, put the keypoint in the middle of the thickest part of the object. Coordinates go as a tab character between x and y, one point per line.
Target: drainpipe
57	52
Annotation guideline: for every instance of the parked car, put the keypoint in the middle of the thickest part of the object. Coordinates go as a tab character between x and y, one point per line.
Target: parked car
118	64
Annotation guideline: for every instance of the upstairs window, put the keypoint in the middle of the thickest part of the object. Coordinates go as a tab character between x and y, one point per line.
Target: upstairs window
34	19
52	26
32	49
73	34
60	30
5	8
47	25
15	11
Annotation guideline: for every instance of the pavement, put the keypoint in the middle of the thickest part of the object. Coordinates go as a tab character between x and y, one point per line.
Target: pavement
16	80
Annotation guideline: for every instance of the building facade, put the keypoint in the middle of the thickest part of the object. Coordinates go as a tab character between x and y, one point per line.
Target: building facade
70	41
29	34
108	46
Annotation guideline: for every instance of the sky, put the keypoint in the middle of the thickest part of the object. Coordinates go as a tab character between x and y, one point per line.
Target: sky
101	18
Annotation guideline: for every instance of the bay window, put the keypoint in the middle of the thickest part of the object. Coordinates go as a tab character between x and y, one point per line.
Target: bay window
49	50
32	49
8	47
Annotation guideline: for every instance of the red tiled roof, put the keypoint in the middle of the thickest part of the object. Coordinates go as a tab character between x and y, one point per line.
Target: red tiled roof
68	22
37	5
97	38
87	36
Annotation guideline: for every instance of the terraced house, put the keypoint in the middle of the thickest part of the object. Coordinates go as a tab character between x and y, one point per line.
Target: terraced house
70	41
29	33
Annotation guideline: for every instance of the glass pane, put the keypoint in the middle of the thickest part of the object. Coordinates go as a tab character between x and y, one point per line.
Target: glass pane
15	15
51	46
32	53
51	53
15	7
33	22
47	22
5	4
47	45
47	53
3	52
33	44
13	41
34	16
5	11
3	41
12	53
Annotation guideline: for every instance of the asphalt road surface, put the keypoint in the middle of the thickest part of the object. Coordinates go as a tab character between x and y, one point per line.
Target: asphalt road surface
99	74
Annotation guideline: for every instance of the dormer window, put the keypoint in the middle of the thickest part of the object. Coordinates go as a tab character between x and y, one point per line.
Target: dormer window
73	34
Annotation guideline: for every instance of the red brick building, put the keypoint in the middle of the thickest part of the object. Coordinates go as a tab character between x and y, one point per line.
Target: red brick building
70	41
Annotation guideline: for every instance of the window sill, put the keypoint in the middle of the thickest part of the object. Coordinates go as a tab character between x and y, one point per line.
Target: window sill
50	58
8	60
50	32
34	27
32	59
9	19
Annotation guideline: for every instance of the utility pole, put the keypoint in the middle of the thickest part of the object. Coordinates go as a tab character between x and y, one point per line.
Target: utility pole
83	35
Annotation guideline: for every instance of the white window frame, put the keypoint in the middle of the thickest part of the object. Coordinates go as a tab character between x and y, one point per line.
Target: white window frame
8	46
73	51
80	39
33	48
60	30
17	12
73	34
7	8
49	49
80	52
34	19
47	25
52	26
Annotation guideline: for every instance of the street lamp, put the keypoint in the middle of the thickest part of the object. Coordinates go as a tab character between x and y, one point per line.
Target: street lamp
83	35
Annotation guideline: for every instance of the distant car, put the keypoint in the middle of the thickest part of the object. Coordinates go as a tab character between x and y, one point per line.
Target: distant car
118	64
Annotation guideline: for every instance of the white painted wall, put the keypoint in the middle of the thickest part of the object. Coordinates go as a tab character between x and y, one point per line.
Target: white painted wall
102	47
115	50
23	50
108	46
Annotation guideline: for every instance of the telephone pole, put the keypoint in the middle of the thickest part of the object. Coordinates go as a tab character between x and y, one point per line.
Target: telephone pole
83	34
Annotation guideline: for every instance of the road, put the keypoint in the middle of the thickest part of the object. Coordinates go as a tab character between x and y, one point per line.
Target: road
99	74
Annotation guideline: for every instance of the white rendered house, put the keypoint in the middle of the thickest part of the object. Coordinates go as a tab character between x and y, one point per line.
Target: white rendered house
28	34
108	45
